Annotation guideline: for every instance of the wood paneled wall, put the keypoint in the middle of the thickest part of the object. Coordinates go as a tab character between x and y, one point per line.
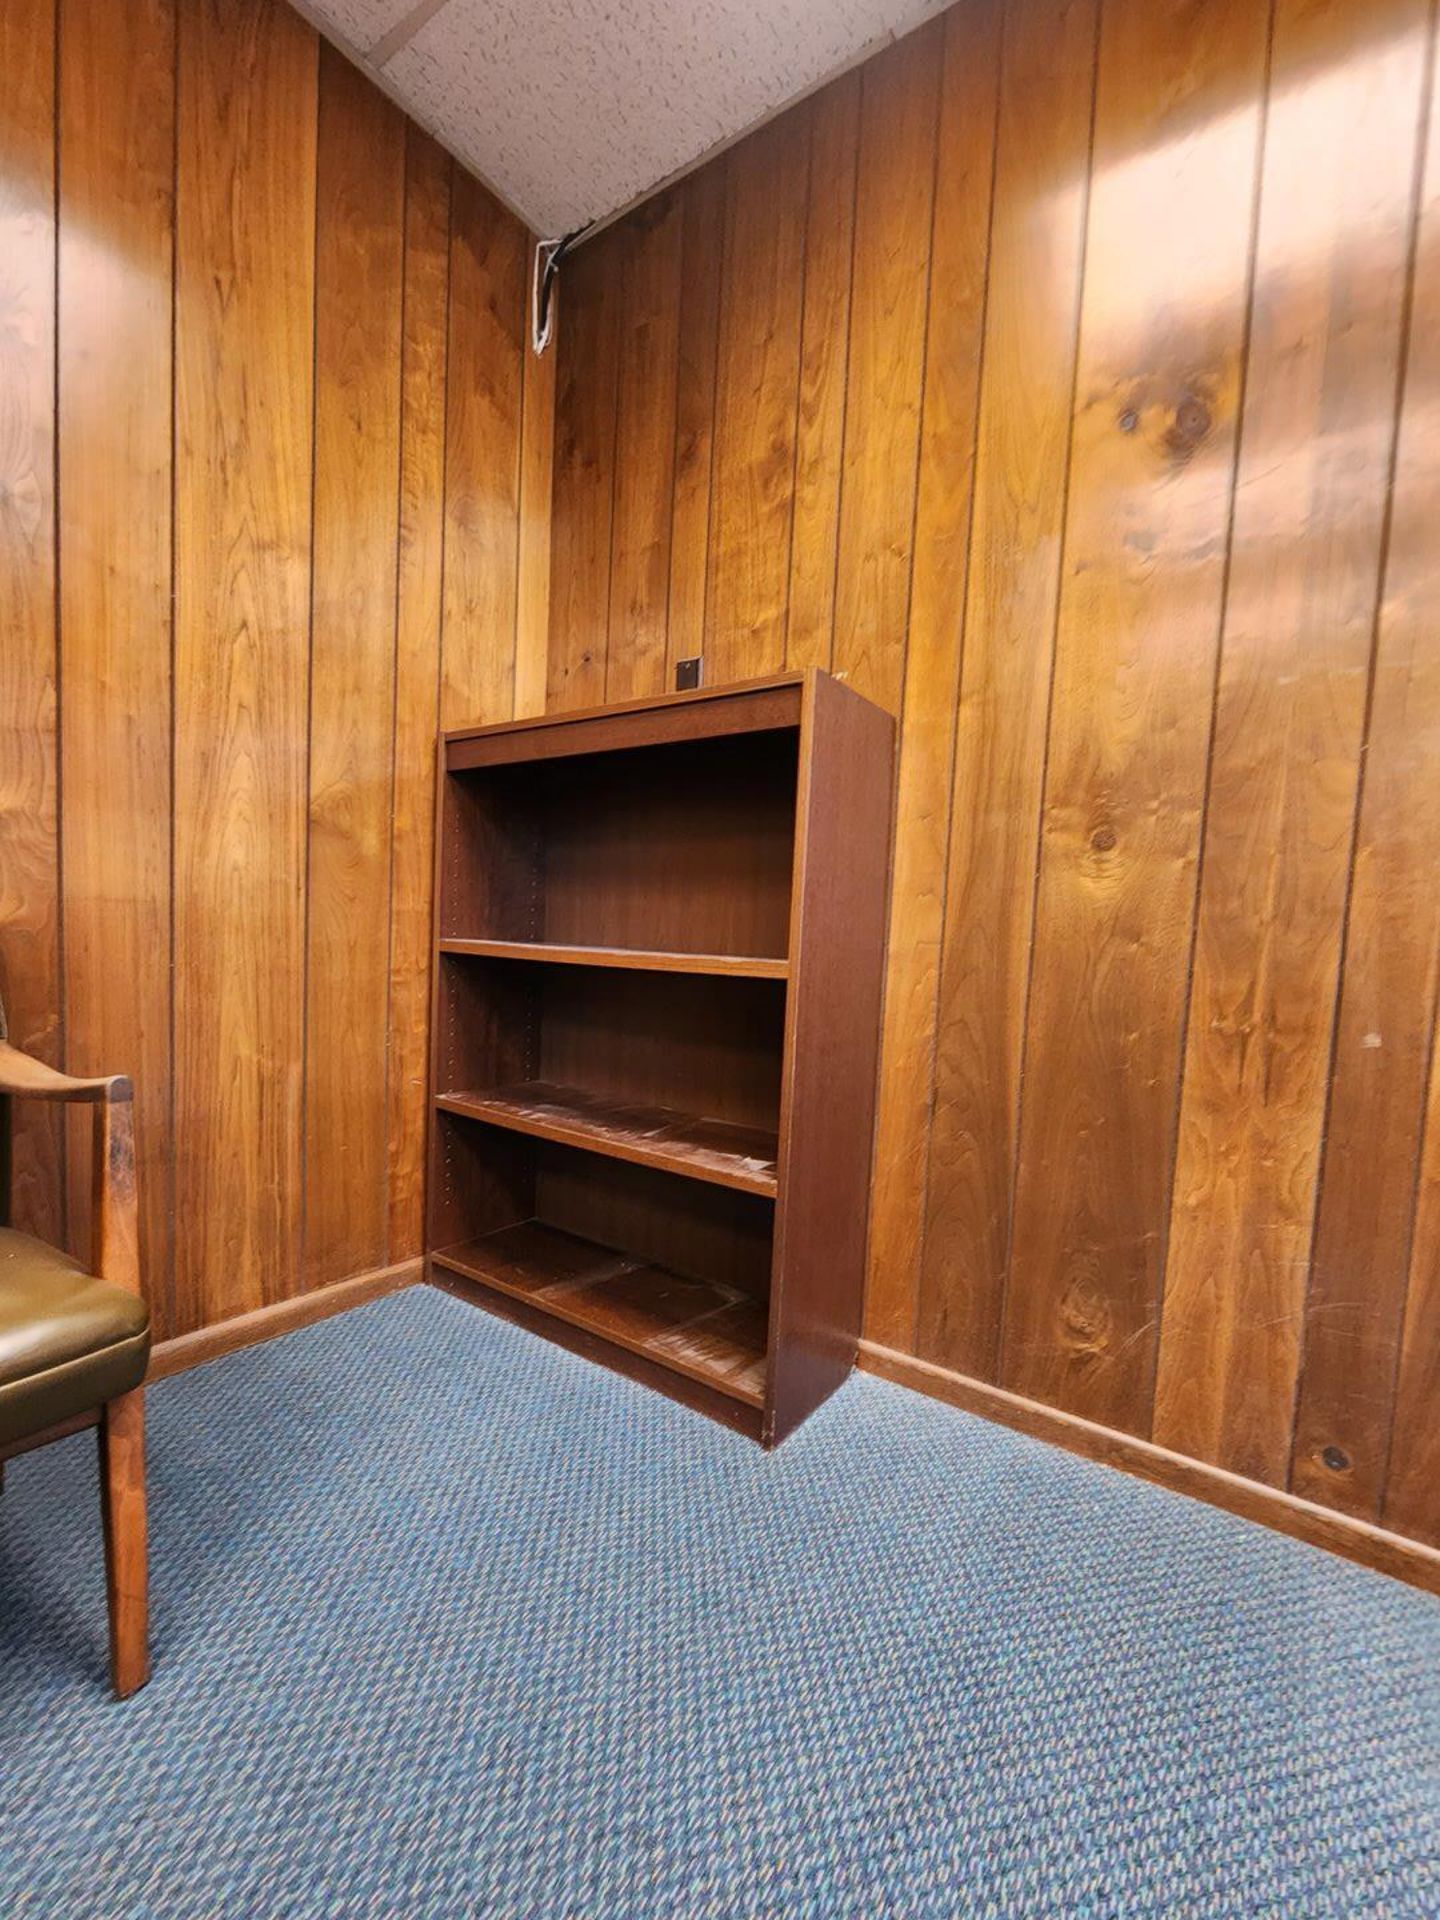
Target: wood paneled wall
1068	378
274	499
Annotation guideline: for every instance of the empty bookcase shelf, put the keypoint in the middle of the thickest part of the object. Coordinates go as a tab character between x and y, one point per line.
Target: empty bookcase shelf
718	1150
657	995
711	1333
736	965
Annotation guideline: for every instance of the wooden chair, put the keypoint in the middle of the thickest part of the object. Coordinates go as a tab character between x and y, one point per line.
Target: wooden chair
75	1340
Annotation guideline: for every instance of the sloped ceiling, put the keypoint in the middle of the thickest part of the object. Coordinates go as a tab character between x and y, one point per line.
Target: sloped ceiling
571	109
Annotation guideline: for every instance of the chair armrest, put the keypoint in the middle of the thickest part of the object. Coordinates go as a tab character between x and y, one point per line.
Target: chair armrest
115	1230
30	1079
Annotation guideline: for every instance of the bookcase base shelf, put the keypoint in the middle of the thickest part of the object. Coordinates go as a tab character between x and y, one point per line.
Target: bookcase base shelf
712	1334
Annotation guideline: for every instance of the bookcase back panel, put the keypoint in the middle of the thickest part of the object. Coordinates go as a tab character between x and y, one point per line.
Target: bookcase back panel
685	847
703	1232
706	1046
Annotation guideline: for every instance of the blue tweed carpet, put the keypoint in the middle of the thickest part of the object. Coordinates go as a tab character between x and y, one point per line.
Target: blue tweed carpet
449	1623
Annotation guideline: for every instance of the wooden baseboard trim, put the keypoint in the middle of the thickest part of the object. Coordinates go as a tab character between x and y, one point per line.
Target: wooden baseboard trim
1371	1546
284	1316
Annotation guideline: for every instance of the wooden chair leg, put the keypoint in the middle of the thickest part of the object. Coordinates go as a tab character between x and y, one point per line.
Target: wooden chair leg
122	1495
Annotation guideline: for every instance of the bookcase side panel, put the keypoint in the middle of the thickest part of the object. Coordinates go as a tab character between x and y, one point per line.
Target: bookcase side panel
831	1049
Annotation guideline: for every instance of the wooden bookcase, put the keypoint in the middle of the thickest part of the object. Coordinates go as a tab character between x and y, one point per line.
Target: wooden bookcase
660	934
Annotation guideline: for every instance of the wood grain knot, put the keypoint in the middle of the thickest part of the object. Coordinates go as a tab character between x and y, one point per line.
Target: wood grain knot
1336	1459
1189	427
1086	1317
1103	839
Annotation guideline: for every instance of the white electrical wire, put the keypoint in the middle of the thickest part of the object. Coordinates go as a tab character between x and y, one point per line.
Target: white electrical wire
542	294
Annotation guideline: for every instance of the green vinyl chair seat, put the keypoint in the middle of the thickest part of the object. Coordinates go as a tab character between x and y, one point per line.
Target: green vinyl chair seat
68	1341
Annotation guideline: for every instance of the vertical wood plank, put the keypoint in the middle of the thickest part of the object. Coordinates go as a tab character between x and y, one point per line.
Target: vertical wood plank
899	105
584	477
203	696
1318	429
955	325
244	327
824	354
1176	152
116	107
417	677
30	982
359	267
703	223
644	451
756	400
1041	170
1354	1315
482	463
1411	1505
537	481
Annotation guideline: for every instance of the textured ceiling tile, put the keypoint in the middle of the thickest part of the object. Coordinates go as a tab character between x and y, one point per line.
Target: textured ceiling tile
570	108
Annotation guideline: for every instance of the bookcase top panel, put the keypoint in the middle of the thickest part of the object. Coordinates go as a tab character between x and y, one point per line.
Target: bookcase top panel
751	706
694	698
